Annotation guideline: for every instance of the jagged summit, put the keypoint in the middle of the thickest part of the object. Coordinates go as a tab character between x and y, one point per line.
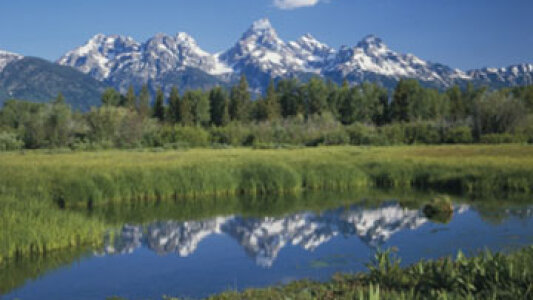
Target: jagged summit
262	25
371	39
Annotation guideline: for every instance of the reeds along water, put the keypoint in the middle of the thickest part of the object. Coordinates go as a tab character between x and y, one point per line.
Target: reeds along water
85	180
32	227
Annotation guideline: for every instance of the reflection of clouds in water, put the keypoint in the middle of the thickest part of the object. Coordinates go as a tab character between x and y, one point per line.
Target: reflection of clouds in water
263	238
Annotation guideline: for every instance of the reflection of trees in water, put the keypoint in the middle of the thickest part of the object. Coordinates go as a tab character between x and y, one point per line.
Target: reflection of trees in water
495	214
263	238
14	273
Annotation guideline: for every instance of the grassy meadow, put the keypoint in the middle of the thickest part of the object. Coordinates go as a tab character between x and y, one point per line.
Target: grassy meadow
44	194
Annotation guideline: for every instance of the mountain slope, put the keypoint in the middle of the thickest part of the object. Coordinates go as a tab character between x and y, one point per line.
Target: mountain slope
39	80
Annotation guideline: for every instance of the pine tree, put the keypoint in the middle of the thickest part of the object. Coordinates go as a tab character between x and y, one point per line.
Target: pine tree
404	96
56	122
271	103
316	94
110	97
351	99
201	108
174	114
374	105
143	106
289	97
240	101
159	105
130	99
260	110
333	98
60	99
346	109
455	96
186	109
219	107
385	116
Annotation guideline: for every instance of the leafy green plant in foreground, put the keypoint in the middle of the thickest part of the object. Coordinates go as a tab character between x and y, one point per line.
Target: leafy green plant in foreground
485	276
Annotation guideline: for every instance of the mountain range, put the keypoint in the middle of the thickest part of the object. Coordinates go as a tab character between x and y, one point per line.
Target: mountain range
260	54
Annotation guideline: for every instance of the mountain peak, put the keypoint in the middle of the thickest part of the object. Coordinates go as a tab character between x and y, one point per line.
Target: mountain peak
183	37
261	24
371	40
312	42
261	28
97	37
308	38
7	53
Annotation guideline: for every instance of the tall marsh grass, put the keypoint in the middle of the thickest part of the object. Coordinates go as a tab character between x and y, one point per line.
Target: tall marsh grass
34	227
93	178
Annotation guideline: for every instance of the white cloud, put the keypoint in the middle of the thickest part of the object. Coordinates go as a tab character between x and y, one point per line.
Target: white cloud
292	4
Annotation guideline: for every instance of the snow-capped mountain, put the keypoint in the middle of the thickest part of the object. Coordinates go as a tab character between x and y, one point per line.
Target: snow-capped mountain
102	54
7	58
261	54
260	48
371	57
264	238
315	53
515	75
121	61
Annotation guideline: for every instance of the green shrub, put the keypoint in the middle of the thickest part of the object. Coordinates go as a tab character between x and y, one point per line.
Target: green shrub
336	137
9	141
393	134
189	136
439	209
422	132
459	135
234	134
364	135
503	138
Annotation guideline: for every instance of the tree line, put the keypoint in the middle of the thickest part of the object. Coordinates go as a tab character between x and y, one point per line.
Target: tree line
314	112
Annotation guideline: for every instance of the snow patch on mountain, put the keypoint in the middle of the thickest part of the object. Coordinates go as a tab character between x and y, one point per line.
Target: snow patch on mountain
102	54
7	58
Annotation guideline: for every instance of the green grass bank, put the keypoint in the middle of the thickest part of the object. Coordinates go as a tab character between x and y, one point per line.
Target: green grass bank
92	178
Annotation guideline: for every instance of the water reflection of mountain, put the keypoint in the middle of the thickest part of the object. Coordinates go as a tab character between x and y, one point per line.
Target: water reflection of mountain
263	238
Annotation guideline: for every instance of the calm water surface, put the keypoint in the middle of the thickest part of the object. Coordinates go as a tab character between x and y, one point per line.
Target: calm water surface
196	258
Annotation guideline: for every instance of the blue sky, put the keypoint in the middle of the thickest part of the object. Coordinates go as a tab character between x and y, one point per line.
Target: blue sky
460	33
